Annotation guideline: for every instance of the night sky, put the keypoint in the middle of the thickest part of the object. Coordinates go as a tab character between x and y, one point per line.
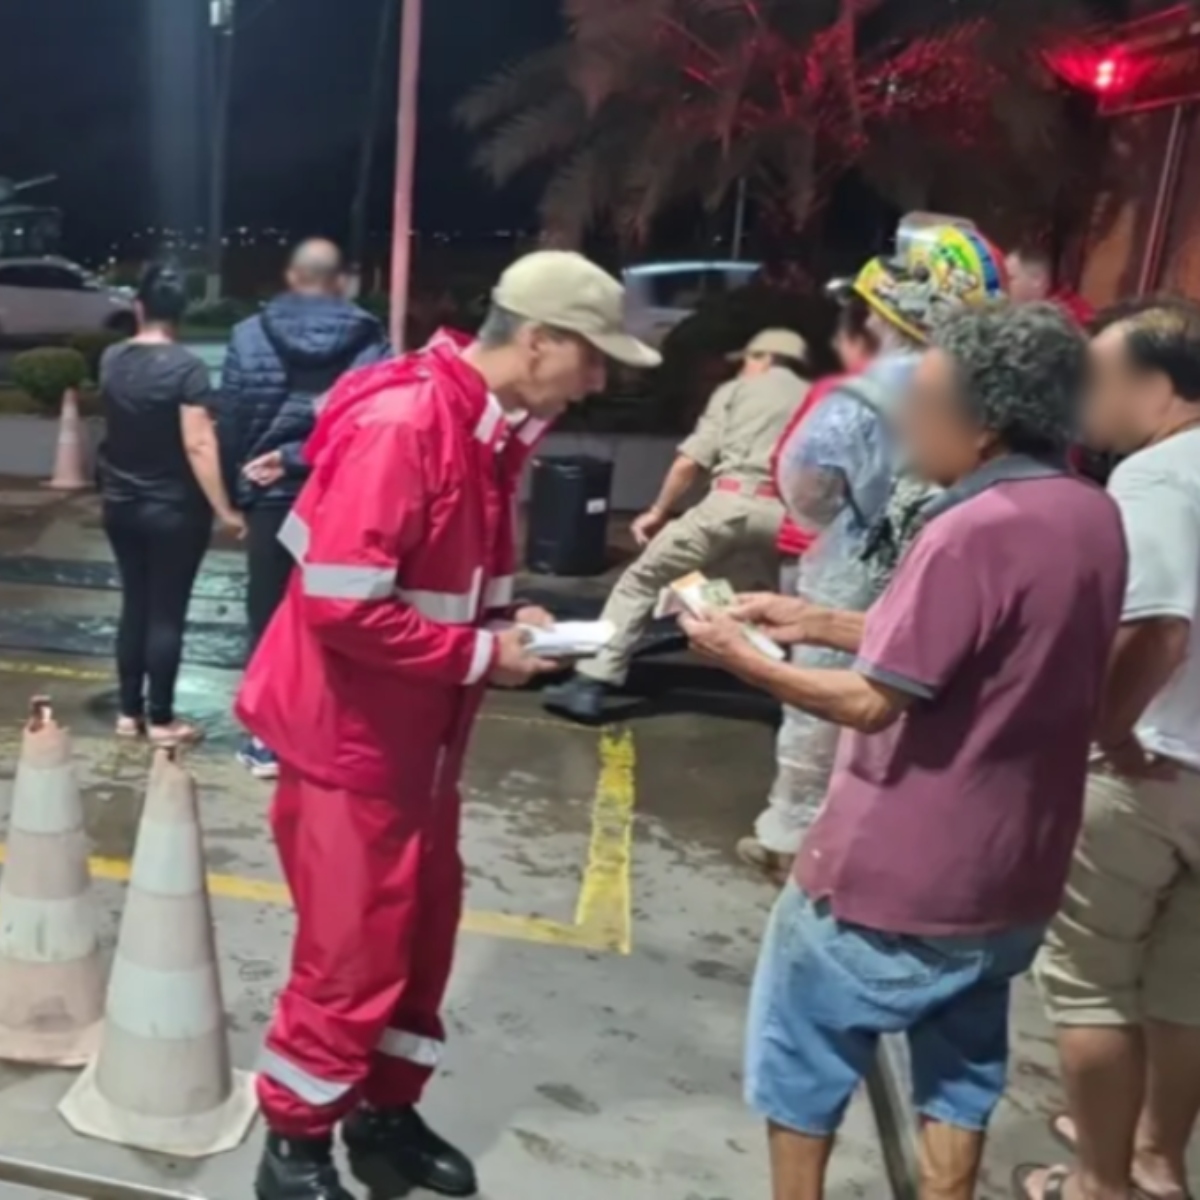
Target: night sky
111	95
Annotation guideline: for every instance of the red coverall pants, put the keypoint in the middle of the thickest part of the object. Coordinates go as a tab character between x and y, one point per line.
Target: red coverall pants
378	887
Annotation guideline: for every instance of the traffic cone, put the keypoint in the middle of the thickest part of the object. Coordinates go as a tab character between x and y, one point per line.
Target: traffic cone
162	1080
69	474
51	978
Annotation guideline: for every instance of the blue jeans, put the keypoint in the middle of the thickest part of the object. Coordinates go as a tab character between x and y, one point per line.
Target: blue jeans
825	991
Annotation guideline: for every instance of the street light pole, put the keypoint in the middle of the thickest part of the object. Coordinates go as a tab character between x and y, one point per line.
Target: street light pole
406	155
221	22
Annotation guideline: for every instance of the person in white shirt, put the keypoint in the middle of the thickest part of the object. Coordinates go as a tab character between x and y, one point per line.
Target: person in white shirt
1120	969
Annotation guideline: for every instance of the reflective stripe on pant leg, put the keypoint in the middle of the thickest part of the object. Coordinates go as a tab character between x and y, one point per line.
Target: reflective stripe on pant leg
411	1047
355	877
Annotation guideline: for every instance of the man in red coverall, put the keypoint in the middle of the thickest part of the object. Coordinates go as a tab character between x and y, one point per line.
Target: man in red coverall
367	683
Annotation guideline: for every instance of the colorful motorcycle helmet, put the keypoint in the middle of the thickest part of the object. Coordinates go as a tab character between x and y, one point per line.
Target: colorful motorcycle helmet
941	264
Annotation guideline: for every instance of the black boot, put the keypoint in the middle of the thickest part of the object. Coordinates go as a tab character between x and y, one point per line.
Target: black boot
578	699
410	1148
298	1169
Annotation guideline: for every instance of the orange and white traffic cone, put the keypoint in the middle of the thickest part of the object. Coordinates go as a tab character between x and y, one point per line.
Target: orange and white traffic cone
51	976
162	1080
69	472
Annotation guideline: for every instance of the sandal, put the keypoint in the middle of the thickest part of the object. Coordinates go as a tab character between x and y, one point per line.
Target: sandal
130	728
1058	1126
1056	1181
178	733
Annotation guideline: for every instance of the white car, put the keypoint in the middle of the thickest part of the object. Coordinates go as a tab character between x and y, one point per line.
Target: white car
53	298
661	295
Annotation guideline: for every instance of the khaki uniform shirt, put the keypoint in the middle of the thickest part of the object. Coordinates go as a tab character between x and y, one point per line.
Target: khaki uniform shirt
736	436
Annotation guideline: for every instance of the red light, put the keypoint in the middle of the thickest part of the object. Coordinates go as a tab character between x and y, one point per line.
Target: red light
1105	77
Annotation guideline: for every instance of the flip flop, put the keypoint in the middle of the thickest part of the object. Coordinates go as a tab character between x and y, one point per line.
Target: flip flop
1064	1139
1056	1181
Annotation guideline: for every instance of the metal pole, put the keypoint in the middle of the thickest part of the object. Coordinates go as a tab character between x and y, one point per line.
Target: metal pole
221	15
406	154
739	220
889	1090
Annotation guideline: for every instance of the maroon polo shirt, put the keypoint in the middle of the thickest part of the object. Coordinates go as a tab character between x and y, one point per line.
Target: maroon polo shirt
962	816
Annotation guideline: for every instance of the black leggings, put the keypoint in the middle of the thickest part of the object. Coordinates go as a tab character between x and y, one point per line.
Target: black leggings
158	556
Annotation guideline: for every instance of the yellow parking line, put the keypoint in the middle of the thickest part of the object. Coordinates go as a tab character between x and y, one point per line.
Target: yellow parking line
604	913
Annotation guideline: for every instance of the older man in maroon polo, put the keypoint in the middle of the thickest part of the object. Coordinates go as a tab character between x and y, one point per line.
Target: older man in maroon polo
941	852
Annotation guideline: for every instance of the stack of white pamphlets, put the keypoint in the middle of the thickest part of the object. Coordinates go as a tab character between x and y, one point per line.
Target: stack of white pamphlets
569	639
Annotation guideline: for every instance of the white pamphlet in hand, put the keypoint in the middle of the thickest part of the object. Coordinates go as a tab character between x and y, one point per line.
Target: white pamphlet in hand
569	639
699	596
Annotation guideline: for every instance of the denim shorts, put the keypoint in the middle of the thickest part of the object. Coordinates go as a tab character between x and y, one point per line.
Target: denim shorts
825	991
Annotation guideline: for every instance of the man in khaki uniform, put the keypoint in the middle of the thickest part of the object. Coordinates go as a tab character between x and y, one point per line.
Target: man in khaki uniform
741	515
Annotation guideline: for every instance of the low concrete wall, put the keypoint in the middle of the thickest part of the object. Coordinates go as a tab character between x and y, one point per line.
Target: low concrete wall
639	462
27	445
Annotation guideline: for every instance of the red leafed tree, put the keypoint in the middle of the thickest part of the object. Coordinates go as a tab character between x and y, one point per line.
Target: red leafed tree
648	104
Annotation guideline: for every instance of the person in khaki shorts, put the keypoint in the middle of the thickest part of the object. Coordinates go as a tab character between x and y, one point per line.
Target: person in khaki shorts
1120	968
733	443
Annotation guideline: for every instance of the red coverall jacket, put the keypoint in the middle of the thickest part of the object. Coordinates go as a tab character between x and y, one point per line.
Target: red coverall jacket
370	674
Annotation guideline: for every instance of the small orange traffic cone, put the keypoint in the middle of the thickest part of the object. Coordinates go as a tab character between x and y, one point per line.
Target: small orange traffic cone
69	472
162	1080
51	978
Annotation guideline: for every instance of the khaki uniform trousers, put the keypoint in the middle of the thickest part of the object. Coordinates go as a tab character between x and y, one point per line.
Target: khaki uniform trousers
726	535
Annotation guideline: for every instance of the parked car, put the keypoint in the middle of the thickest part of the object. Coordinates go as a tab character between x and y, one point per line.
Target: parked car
661	295
44	299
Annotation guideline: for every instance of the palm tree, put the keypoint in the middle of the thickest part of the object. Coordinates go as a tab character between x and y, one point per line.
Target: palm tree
650	103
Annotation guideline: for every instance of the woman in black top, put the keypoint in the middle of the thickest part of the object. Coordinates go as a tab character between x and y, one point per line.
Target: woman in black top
161	483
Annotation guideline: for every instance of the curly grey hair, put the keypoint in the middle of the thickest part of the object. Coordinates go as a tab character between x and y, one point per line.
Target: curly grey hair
1021	369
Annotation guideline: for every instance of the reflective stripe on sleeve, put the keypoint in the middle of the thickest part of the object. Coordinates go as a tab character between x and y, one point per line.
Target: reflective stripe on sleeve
446	608
310	1088
481	657
325	581
333	581
397	1043
499	593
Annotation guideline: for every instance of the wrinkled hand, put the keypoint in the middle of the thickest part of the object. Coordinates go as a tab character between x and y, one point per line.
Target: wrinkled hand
718	638
515	666
265	470
647	525
535	616
786	620
1129	758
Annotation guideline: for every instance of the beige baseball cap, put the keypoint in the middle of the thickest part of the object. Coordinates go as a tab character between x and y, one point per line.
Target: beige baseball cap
564	290
783	342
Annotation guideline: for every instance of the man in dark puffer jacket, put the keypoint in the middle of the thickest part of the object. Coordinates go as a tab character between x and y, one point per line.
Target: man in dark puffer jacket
279	364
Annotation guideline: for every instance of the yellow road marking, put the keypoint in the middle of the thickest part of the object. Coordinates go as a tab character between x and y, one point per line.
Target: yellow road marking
605	904
603	915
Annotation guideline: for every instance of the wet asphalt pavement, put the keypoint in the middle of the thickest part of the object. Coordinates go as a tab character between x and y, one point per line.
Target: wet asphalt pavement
597	1006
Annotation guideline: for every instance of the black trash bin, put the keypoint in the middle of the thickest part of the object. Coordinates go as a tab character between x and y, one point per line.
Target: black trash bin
568	516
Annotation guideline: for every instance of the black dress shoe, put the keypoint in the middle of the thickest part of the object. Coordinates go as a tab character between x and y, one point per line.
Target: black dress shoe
410	1148
579	699
298	1169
